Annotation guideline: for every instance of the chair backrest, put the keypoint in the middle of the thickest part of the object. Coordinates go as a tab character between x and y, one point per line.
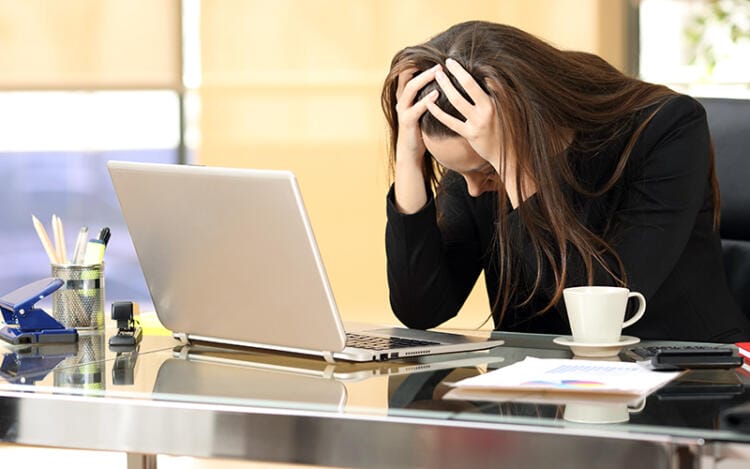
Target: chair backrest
729	123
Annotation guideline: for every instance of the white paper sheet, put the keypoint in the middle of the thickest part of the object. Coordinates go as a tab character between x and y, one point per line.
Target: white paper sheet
568	376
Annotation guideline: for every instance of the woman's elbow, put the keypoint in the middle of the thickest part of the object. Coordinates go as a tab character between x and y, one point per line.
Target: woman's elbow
415	317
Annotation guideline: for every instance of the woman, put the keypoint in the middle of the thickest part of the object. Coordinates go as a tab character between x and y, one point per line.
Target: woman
551	169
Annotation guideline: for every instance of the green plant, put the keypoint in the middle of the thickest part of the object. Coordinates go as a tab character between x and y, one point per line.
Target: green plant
715	23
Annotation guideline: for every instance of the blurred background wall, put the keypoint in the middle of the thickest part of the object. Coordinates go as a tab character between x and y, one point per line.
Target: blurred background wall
287	84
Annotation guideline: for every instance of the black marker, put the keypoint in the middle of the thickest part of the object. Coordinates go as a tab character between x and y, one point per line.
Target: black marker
104	235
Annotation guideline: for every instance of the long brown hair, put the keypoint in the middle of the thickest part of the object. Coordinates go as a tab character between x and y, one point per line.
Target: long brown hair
538	92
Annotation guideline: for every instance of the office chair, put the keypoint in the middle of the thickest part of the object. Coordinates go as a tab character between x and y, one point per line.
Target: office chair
729	123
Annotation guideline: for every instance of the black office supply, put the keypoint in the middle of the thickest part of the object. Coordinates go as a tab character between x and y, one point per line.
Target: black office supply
129	332
27	324
687	357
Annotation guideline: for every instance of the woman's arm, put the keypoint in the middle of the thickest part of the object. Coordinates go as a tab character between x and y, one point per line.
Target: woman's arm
430	273
431	269
409	188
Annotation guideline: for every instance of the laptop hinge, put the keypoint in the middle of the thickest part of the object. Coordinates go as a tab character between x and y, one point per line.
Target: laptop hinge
182	337
328	356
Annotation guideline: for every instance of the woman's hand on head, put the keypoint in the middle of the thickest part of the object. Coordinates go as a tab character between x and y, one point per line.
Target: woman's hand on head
409	146
482	127
409	184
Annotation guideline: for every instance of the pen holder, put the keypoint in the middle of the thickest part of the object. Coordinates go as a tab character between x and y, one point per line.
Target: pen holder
79	303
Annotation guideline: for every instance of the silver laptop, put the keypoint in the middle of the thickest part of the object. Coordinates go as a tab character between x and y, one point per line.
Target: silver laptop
229	257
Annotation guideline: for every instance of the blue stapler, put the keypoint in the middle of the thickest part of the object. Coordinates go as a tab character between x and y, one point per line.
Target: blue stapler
26	324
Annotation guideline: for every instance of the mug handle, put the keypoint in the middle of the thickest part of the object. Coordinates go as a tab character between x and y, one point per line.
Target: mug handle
637	407
641	308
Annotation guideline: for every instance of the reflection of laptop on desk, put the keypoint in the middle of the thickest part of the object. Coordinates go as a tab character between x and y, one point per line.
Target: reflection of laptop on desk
210	380
229	257
342	371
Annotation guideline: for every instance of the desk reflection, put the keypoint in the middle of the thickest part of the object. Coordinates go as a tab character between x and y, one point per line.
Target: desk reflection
84	370
693	400
31	363
185	378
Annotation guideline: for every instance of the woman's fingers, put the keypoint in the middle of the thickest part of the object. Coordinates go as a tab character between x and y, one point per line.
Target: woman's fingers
421	106
446	119
475	92
412	87
480	125
410	117
410	144
479	117
403	79
472	88
459	102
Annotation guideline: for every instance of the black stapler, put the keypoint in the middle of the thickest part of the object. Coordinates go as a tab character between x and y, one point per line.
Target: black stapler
129	332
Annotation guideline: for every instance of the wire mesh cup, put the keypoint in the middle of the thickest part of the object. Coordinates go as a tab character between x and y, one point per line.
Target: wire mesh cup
79	302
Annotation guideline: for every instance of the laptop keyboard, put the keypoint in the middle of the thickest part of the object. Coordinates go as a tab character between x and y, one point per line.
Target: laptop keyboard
371	342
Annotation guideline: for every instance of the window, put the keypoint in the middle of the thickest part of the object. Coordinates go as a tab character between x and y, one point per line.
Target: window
699	47
53	158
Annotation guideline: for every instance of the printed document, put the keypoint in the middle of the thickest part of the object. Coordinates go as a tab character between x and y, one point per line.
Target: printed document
570	377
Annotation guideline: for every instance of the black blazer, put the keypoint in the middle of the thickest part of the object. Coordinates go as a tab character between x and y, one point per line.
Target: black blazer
658	217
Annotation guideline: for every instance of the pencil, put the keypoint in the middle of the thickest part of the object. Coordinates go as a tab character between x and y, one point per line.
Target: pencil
62	252
56	238
42	233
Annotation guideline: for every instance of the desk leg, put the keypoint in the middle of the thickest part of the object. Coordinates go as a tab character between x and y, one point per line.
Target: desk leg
141	461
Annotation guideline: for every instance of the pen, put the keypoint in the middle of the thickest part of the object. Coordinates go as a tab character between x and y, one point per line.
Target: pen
46	243
80	249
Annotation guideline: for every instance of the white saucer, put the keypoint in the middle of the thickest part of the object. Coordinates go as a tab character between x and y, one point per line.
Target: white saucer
583	349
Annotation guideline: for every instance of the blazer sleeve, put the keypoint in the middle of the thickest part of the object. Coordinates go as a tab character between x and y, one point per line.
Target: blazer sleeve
431	268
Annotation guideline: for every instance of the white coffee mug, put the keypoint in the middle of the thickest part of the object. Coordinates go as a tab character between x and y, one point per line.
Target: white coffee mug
597	313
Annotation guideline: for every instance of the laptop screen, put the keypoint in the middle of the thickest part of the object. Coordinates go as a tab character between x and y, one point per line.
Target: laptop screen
229	253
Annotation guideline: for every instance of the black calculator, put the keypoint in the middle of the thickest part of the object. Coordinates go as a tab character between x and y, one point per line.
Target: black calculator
687	357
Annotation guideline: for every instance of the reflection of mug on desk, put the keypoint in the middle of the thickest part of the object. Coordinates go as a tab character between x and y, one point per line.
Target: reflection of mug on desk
601	412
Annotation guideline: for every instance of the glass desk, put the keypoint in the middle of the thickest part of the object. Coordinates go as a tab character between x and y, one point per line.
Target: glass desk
166	398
